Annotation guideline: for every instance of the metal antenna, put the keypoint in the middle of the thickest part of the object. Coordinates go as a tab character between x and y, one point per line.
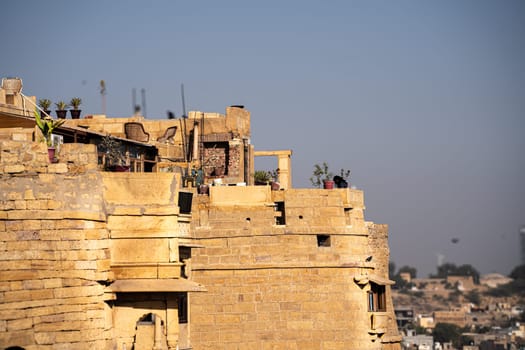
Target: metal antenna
134	100
183	124
144	103
183	102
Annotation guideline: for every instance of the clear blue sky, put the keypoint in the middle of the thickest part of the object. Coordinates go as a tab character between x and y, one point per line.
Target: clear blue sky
423	100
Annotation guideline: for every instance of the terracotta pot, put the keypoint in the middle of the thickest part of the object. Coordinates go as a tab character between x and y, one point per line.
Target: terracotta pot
204	189
51	154
328	184
219	170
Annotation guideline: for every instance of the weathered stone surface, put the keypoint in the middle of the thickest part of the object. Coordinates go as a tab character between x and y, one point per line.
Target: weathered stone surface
273	282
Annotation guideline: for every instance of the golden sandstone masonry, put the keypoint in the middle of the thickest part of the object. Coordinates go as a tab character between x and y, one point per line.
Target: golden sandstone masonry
300	285
54	251
92	259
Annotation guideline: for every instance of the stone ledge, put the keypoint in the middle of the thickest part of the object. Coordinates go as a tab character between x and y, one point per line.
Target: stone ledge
52	215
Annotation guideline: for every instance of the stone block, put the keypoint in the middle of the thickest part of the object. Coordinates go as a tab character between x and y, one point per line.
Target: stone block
204	319
52	282
12	196
86	265
169	271
18	275
68	336
72	292
33	284
103	265
57	168
20	204
126	272
20	338
42	294
14	169
17	295
29	195
59	326
52	204
140	250
143	223
45	338
20	324
124	211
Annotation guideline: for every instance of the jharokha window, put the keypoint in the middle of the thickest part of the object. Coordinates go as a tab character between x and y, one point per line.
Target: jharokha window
376	298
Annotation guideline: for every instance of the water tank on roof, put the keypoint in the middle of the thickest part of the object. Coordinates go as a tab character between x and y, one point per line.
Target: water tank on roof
12	86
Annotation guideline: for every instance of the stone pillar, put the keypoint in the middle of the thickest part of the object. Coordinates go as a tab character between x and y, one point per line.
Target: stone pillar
195	141
157	344
285	169
284	165
172	323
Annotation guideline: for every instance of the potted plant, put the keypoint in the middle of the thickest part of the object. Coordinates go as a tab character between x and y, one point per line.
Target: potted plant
44	104
321	175
114	158
341	180
61	109
47	126
261	177
75	103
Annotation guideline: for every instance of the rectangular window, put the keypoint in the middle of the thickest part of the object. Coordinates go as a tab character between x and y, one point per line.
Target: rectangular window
185	199
184	255
323	241
182	299
279	208
348	216
376	298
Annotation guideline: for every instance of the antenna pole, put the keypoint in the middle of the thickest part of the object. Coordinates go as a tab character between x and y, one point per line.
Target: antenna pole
183	102
184	117
143	91
134	100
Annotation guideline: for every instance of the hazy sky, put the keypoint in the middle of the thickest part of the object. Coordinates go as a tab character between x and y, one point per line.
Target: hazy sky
423	100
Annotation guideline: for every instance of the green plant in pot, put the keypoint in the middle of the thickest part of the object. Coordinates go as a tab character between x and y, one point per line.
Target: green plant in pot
61	109
75	103
114	158
261	177
44	104
47	126
341	180
322	176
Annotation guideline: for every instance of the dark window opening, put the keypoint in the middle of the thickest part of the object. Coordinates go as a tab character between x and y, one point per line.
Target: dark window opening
184	254
376	298
323	241
279	208
348	215
147	319
185	199
182	299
